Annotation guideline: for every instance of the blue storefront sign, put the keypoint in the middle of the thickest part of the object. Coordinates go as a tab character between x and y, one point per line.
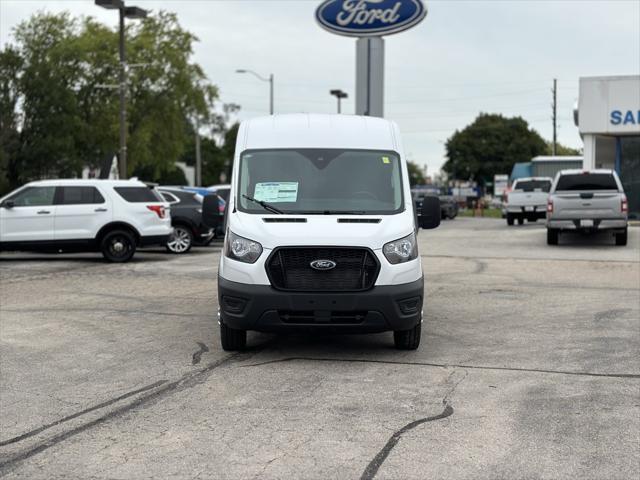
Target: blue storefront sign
366	18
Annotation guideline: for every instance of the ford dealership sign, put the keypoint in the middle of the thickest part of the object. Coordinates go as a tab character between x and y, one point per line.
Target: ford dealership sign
366	18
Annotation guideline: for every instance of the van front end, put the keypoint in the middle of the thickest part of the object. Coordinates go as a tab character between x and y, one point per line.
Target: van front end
321	231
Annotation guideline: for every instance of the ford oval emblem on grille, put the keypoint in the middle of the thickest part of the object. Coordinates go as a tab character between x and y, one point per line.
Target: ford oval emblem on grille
323	264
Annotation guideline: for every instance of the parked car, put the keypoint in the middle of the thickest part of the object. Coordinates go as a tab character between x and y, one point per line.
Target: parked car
222	205
186	219
448	204
110	216
223	190
527	199
588	202
320	232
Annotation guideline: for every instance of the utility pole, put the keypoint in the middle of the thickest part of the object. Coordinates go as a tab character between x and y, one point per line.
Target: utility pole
554	117
123	101
198	155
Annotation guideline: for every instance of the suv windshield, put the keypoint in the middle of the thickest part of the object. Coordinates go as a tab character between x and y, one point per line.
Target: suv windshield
587	181
533	185
321	181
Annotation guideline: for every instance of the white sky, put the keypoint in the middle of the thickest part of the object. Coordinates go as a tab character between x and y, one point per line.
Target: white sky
467	56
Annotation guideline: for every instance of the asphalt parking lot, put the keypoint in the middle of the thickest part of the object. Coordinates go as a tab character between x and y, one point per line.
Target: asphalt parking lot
528	368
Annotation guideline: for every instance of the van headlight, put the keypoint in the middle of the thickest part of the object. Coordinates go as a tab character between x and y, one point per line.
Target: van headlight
242	249
402	250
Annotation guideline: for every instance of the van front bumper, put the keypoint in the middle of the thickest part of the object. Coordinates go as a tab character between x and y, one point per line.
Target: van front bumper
265	309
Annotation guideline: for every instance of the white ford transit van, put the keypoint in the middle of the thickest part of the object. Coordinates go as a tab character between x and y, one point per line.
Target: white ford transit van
321	231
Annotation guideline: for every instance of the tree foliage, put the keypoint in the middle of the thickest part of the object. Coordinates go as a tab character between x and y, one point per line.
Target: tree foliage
489	146
57	116
415	174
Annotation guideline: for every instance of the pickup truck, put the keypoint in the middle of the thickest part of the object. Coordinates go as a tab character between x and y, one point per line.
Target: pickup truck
527	199
587	201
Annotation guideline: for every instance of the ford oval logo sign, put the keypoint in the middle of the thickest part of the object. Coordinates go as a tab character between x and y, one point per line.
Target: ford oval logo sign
366	18
323	264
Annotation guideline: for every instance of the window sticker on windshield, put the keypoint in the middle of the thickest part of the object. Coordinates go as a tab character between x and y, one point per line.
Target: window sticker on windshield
386	160
274	192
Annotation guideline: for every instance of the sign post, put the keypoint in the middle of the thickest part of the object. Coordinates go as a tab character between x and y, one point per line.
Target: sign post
369	20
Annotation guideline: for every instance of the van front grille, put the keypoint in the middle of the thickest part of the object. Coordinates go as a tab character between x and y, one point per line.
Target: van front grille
289	268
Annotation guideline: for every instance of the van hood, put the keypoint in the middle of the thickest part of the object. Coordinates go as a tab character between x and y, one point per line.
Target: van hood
371	231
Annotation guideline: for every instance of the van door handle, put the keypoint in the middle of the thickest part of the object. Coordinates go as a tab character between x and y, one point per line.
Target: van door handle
43	212
100	210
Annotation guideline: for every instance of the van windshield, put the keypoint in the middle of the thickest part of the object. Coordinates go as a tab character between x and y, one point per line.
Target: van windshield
320	181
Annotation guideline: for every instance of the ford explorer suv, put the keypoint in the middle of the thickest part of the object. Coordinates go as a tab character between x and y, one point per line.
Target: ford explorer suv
527	200
587	201
110	216
321	231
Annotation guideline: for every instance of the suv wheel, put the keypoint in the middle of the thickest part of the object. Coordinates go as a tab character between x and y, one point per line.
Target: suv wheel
621	238
509	219
408	339
552	236
232	339
181	240
118	246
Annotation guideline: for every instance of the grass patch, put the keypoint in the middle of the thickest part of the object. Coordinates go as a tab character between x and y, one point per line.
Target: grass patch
488	213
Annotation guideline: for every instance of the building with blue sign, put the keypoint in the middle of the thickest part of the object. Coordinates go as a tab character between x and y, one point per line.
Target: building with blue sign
608	118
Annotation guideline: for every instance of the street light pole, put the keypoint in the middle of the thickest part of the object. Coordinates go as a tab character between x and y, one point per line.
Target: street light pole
124	12
122	164
260	77
339	94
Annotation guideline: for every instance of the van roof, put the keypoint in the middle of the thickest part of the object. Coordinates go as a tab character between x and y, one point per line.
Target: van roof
318	131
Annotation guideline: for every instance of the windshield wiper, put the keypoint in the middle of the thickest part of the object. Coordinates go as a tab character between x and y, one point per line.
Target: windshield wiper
265	205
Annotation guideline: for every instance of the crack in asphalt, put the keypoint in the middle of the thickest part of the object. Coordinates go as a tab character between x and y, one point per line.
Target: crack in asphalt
195	359
188	380
374	465
41	429
445	365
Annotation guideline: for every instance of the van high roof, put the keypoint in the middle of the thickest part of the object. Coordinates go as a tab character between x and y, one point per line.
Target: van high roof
319	131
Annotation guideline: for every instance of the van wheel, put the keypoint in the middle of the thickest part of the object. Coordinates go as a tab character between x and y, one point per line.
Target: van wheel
520	220
118	246
509	219
232	339
181	240
552	236
408	339
621	238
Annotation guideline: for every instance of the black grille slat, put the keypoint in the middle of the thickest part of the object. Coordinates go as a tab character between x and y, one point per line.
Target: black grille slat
290	269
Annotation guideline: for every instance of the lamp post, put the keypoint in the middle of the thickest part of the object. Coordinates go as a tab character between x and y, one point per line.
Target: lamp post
260	77
125	12
339	94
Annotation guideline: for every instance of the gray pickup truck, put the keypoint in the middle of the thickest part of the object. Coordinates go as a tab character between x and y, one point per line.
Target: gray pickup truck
587	201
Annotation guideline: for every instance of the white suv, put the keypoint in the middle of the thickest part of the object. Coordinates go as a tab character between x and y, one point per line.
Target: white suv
110	216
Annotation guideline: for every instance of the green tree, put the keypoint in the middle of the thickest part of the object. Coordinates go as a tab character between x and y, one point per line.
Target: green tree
415	174
57	117
562	149
489	146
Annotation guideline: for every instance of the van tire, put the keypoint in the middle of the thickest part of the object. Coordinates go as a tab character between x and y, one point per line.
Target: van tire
232	339
118	246
621	238
509	219
520	220
408	339
552	236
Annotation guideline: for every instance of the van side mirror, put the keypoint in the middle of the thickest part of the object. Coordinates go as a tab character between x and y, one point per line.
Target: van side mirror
430	212
8	204
211	215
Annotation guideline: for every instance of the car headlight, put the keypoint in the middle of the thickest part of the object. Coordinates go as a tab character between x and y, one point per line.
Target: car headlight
402	250
242	249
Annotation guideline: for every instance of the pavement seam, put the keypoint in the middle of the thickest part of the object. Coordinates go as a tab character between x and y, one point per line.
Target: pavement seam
444	365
